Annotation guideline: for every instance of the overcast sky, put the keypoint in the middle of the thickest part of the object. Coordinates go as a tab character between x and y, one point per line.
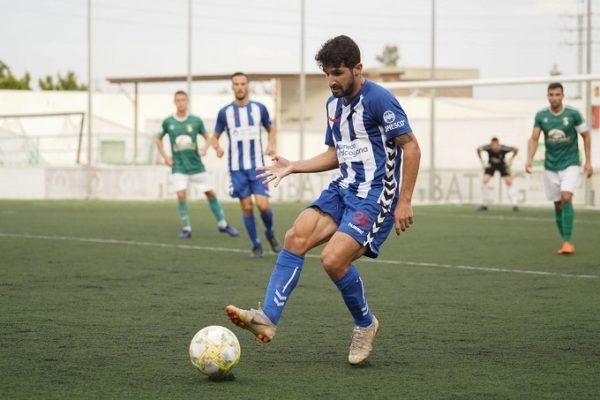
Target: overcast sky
507	38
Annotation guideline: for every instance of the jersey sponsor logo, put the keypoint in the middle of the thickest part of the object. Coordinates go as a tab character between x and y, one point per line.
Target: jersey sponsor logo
395	125
184	142
557	136
350	151
389	117
245	133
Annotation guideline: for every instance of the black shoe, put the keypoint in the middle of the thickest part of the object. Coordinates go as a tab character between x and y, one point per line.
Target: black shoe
257	252
515	208
185	234
482	208
275	246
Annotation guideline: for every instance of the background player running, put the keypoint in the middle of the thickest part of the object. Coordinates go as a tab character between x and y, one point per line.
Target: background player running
562	166
243	120
186	164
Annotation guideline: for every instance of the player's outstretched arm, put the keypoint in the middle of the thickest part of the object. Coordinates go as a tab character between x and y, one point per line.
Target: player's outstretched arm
281	167
403	214
479	150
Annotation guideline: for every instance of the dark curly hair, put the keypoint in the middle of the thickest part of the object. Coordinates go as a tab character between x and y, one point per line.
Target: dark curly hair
338	51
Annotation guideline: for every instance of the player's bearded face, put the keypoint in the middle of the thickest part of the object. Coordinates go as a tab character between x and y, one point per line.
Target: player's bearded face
555	97
240	87
341	80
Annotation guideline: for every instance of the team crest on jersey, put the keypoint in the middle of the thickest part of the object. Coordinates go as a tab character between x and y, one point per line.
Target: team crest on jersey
566	121
171	127
545	120
189	128
389	117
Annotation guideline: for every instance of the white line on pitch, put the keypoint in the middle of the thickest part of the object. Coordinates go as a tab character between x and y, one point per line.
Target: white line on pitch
232	250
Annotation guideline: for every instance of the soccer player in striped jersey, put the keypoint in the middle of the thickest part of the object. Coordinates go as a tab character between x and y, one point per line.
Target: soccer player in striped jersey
370	140
562	166
243	120
186	165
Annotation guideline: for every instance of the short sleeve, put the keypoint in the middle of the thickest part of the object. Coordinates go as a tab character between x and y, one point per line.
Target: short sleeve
221	123
537	122
265	119
163	130
389	114
328	132
201	129
577	118
579	122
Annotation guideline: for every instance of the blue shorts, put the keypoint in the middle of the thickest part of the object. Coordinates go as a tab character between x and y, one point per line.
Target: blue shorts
244	184
357	217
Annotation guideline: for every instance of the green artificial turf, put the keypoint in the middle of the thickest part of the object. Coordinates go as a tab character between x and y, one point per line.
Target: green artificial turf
99	300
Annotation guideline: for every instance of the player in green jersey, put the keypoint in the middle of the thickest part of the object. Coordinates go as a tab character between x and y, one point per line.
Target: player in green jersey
560	125
186	164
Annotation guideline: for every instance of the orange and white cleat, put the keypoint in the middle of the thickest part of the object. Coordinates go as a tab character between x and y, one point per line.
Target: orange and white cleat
253	320
567	248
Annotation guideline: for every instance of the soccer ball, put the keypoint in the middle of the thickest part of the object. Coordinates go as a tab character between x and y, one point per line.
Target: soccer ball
214	350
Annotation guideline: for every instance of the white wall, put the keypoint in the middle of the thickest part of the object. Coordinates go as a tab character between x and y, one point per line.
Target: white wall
461	125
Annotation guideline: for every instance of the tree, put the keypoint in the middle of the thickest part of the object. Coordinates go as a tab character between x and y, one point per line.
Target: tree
68	82
390	56
9	81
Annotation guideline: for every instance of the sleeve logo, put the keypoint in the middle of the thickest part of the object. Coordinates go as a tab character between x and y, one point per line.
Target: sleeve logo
389	117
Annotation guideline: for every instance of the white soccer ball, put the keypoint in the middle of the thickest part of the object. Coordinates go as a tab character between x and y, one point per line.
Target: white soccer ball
214	350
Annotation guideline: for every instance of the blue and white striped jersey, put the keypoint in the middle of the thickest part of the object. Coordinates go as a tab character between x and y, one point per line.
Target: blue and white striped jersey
362	133
243	125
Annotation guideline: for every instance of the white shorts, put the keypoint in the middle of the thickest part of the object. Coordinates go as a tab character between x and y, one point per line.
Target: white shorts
566	180
180	181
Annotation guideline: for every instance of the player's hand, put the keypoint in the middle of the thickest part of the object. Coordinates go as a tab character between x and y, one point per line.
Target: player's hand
275	172
220	152
528	168
403	216
169	161
588	170
203	151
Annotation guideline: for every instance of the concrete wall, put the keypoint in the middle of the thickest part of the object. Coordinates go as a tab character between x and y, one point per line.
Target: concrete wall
461	125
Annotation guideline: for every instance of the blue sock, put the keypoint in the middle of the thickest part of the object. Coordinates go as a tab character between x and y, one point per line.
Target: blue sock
267	218
283	280
251	229
353	292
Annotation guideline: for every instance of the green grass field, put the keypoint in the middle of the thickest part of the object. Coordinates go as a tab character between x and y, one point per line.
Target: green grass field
100	300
